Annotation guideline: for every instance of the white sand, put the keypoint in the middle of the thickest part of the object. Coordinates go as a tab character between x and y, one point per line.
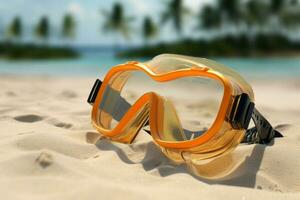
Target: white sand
49	150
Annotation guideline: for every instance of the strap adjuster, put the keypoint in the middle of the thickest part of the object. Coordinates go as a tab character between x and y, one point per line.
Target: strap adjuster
241	111
94	92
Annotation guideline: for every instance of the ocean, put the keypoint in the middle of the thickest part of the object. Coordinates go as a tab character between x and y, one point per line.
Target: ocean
97	63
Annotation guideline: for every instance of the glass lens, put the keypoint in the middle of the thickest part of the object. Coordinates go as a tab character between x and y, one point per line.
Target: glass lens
186	107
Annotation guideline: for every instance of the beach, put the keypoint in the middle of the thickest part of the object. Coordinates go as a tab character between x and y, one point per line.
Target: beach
49	149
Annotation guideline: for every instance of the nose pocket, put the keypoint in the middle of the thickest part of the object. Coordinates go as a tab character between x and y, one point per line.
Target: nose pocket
135	124
169	126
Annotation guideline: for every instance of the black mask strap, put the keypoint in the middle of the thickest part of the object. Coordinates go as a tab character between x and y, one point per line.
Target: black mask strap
262	132
242	111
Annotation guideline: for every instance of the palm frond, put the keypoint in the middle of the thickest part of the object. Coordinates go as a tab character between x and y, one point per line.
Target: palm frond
165	17
117	21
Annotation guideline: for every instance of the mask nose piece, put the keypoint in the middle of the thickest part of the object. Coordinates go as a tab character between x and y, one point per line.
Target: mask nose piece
166	121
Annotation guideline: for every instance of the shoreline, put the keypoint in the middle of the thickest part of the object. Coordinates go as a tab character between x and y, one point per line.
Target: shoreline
30	51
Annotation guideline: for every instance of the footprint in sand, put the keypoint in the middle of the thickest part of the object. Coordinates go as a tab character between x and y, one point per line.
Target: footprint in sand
10	94
59	124
44	159
28	118
92	137
68	94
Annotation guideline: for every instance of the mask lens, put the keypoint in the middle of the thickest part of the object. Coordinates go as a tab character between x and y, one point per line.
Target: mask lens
123	90
189	108
186	107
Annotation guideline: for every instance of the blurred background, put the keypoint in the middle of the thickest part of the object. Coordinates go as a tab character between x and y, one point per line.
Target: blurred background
258	38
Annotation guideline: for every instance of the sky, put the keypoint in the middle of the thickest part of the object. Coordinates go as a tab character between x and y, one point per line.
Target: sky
89	19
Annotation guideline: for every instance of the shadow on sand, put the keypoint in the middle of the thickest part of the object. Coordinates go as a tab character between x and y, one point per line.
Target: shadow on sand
153	158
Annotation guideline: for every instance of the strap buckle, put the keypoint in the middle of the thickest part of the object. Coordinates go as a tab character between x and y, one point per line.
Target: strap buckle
94	92
241	111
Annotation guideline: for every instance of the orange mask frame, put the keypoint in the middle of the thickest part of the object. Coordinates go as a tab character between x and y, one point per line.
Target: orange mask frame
194	71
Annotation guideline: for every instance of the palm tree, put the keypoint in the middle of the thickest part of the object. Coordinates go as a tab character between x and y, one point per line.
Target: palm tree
15	28
276	6
68	26
289	16
175	12
230	9
293	2
256	14
275	10
42	29
210	17
1	30
117	21
149	29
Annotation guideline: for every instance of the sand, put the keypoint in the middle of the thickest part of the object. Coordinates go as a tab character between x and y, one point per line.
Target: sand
49	150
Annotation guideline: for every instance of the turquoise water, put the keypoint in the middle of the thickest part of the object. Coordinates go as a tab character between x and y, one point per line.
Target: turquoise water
96	63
